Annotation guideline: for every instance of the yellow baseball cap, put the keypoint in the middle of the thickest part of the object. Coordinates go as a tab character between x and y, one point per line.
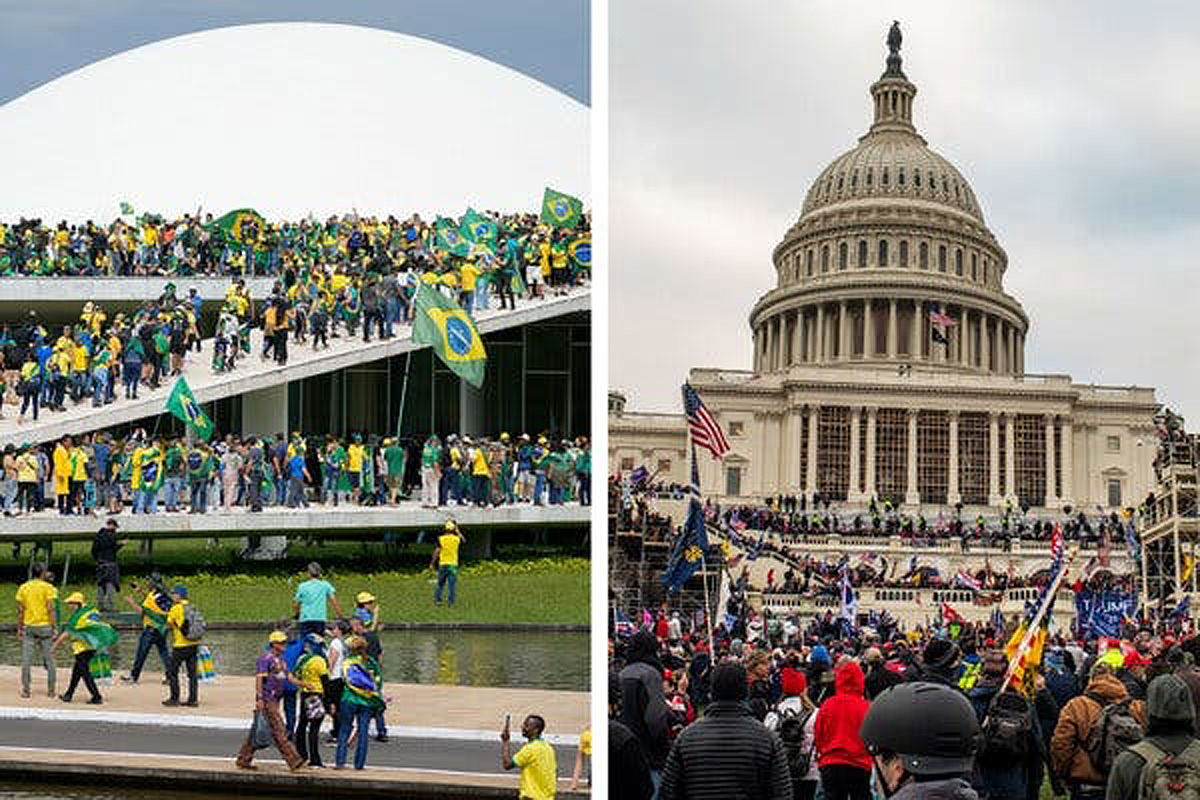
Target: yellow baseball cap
75	597
365	597
450	525
277	636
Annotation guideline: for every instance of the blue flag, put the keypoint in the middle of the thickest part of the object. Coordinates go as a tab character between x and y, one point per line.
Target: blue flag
692	544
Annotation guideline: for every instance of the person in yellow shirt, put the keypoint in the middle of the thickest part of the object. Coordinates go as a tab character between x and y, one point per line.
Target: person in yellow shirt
79	477
583	758
82	649
445	561
481	475
355	456
539	771
469	274
62	474
36	621
183	649
312	670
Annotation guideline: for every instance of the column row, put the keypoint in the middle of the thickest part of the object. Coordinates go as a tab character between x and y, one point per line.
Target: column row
892	329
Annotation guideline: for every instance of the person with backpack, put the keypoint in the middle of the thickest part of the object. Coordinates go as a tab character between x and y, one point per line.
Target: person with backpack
843	759
1166	764
794	721
1092	729
1010	750
154	609
187	629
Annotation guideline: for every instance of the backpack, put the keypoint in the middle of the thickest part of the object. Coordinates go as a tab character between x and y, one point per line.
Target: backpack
1007	728
193	626
1168	777
791	733
1116	728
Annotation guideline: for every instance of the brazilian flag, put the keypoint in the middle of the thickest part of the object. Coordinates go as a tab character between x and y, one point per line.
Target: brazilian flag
479	229
231	224
182	404
580	251
561	210
448	238
85	625
442	324
126	209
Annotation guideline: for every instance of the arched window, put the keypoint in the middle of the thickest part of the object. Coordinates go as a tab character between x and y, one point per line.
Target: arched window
870	176
884	180
883	253
901	177
974	266
854	179
843	255
923	255
808	262
916	178
941	258
862	253
824	258
839	182
904	252
958	262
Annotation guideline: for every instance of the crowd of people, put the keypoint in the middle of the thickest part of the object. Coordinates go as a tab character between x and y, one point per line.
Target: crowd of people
826	709
98	473
347	278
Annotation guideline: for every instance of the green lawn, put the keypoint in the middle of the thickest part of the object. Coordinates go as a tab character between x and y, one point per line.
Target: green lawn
522	584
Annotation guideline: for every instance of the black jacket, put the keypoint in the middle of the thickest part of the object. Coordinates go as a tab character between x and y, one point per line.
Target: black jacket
628	770
727	755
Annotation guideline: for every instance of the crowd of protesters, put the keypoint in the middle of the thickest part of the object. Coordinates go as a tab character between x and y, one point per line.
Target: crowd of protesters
779	709
101	473
346	278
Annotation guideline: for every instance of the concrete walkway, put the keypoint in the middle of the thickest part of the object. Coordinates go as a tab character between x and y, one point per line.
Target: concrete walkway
253	374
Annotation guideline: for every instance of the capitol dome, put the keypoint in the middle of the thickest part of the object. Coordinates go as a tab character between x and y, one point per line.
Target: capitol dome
890	262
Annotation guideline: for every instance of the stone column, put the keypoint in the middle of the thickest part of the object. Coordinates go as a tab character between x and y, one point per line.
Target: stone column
811	476
1010	358
820	337
853	493
1010	460
915	346
796	331
964	340
994	498
843	333
1051	493
792	450
1020	354
985	343
912	497
893	335
1068	463
952	493
870	483
868	330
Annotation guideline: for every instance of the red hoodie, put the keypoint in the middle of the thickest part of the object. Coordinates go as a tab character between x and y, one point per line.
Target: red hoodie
835	732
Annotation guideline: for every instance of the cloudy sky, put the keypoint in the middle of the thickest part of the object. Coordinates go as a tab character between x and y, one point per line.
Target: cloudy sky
546	39
1076	124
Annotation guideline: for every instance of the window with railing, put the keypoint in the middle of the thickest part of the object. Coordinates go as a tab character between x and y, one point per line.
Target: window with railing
891	453
833	451
933	455
1029	459
973	463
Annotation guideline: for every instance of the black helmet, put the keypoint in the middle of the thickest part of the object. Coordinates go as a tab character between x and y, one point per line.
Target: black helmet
944	740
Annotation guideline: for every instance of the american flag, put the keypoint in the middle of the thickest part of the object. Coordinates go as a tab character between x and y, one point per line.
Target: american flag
702	428
940	317
1056	545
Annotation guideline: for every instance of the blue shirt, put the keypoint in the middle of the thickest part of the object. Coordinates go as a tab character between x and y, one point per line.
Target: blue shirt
311	595
296	466
100	451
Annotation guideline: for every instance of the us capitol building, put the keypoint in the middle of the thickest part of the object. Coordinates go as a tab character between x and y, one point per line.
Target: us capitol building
856	393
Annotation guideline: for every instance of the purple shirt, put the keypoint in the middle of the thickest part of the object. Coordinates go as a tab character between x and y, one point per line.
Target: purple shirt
274	671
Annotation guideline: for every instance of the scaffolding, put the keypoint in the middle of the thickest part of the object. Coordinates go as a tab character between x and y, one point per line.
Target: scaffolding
1170	526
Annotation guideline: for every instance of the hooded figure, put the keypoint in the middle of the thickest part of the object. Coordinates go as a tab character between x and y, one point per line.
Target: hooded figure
1170	730
644	707
842	757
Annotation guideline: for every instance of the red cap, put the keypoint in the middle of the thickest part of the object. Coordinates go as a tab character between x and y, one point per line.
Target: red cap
1136	659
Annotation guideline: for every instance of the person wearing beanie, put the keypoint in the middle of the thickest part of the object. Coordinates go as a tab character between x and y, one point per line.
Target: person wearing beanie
1132	673
998	774
728	753
879	677
820	675
940	663
644	708
843	759
1170	734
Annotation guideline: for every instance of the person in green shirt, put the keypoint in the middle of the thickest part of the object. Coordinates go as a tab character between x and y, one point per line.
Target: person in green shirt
100	375
200	463
431	457
332	466
175	475
394	457
583	471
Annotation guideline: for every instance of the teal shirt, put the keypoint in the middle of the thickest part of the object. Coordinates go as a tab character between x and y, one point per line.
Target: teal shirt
311	595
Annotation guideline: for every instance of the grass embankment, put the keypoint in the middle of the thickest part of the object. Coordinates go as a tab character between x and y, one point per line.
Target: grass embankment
521	585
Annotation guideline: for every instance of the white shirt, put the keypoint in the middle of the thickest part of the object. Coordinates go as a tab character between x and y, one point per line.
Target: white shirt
337	659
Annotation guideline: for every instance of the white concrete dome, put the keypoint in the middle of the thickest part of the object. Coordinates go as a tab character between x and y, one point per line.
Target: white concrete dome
290	118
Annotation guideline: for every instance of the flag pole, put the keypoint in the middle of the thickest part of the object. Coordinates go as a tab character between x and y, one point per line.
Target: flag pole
1031	632
694	468
403	392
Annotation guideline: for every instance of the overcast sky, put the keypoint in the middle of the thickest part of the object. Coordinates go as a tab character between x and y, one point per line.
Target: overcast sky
546	39
1076	125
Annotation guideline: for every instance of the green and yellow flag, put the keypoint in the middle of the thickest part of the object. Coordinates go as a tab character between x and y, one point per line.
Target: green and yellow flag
449	239
182	404
85	625
479	228
580	251
126	209
231	224
442	324
561	210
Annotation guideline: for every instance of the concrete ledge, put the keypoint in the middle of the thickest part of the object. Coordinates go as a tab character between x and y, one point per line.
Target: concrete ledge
80	289
271	777
254	374
350	520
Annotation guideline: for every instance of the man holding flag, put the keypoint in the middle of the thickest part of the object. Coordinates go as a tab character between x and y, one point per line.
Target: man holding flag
182	405
88	635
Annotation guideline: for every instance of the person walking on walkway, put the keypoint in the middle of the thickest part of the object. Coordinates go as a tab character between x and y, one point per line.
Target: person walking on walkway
108	576
312	670
184	648
87	634
270	677
445	561
36	621
311	602
154	609
361	699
